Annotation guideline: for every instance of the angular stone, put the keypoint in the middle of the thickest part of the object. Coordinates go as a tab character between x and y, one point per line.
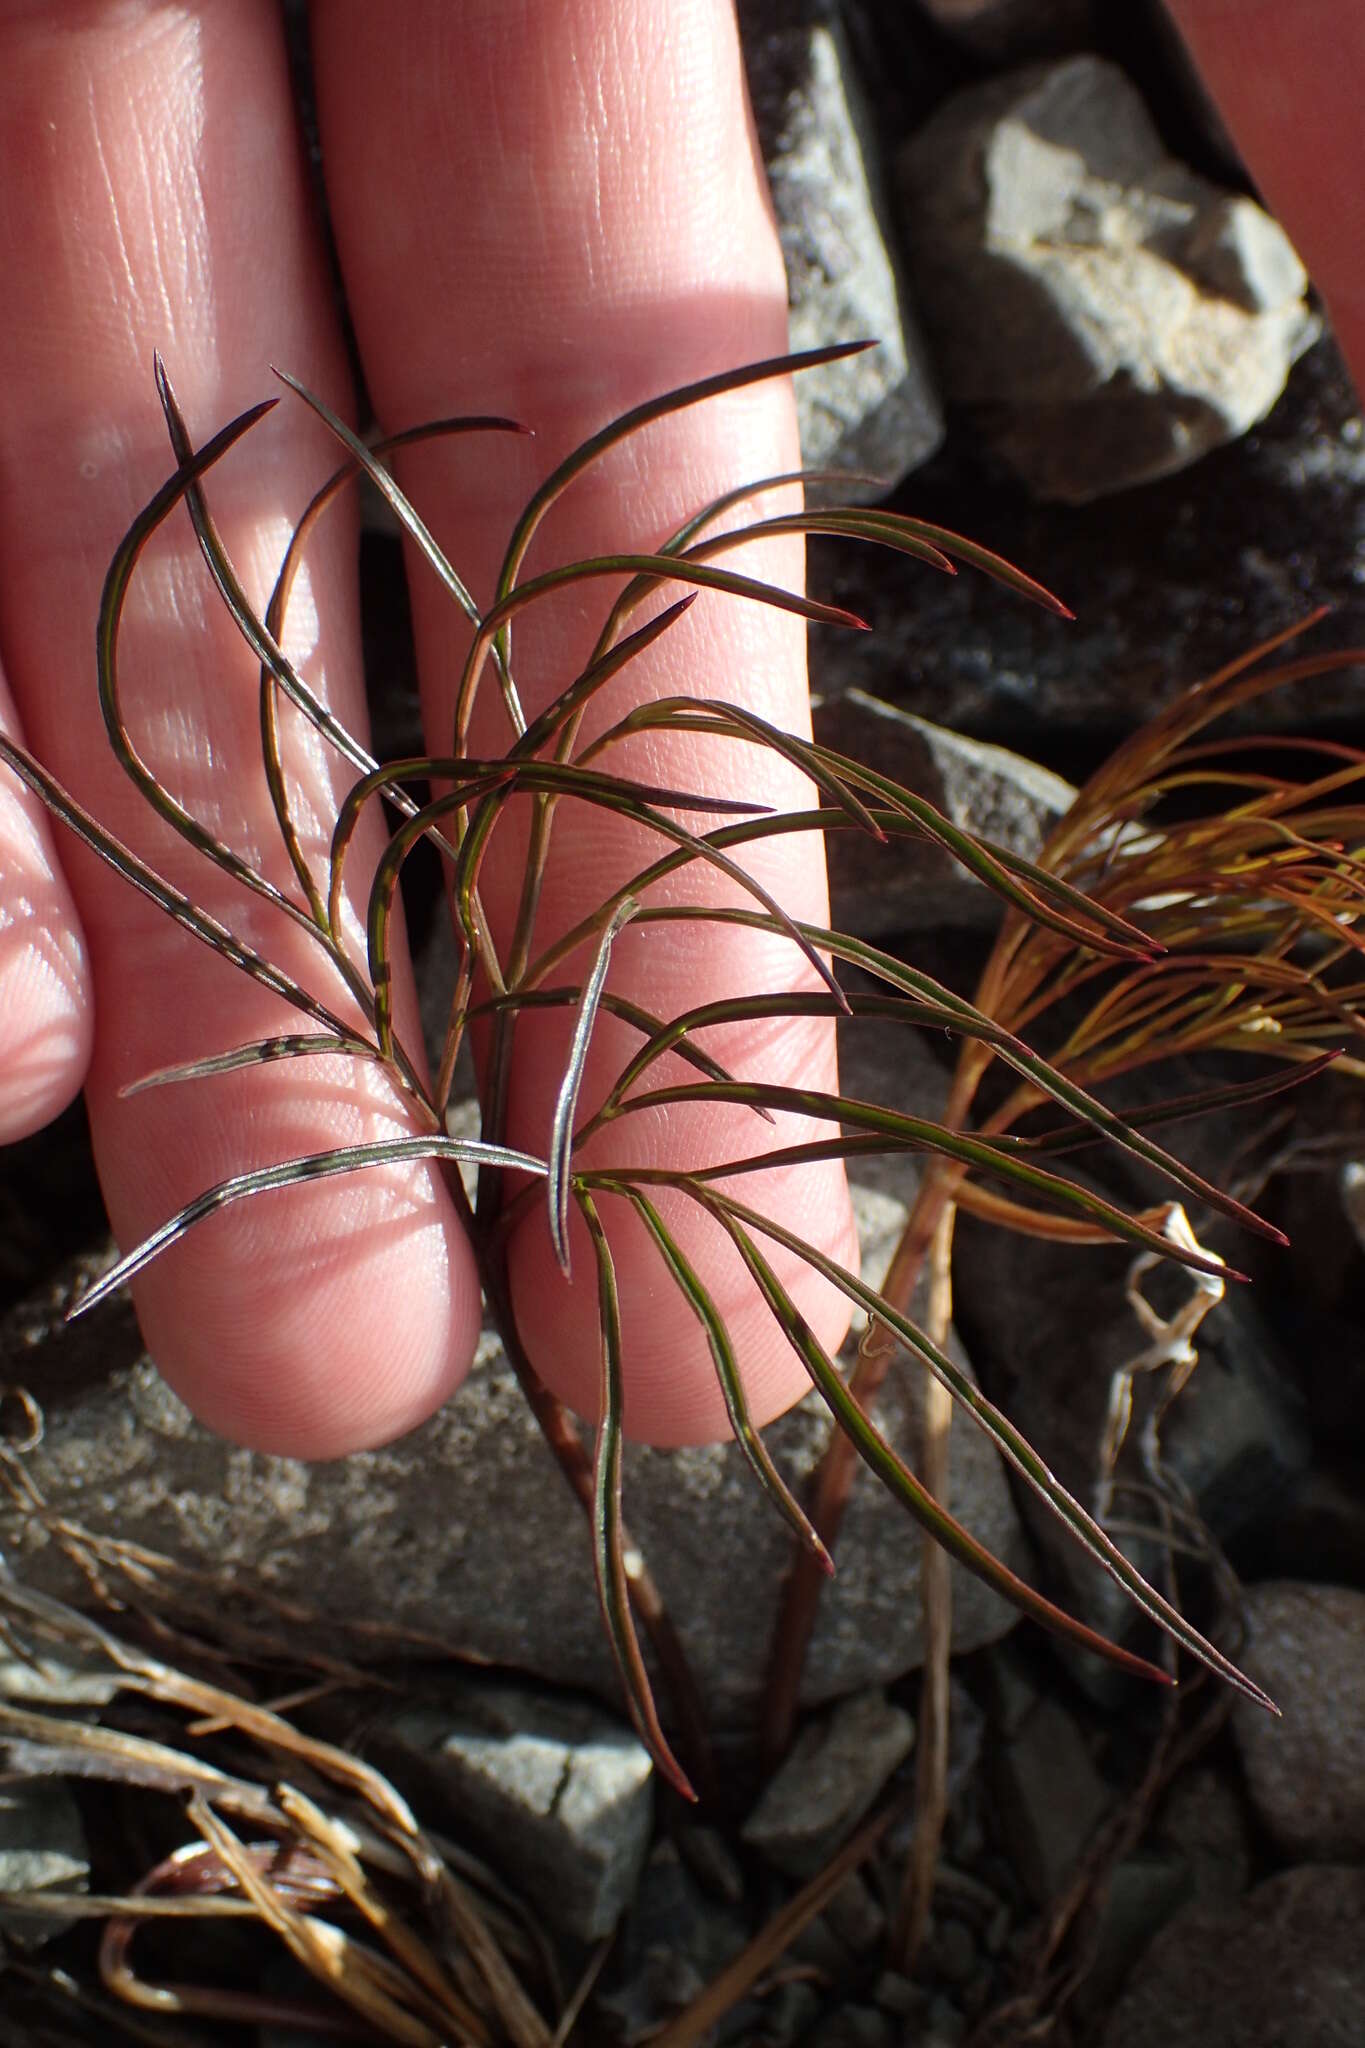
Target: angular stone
1168	583
1110	315
910	884
42	1848
828	1780
1306	1773
1051	1798
558	1793
1283	1967
878	412
1204	1820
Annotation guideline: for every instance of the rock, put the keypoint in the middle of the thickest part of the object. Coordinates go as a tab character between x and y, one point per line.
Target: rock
1168	583
1050	1798
1144	1891
42	1848
828	1780
1204	1821
673	1942
54	1682
855	1915
998	795
1049	1325
856	2026
450	1532
880	412
1306	1773
1109	315
1005	30
558	1794
1282	1968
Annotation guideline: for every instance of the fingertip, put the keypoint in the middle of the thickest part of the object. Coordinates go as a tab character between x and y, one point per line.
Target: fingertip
331	1326
45	1002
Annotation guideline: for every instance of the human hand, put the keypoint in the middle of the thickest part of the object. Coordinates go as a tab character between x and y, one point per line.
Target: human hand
553	211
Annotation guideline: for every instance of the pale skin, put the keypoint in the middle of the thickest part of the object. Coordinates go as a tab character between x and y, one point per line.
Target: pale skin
552	209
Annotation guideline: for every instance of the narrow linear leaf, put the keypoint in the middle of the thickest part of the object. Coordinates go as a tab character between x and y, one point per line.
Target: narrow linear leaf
922	1132
1201	1102
598	444
261	1052
409	518
112	600
664	569
731	1384
292	1173
559	1155
598	672
994	566
176	905
608	1542
1006	1437
733	721
610	793
642	1020
934	1006
877	1453
784	824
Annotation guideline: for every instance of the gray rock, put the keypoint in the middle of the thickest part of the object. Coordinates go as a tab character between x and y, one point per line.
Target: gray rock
42	1848
1282	1968
855	1914
1050	1796
828	1780
856	2026
1306	1773
556	1792
880	412
1142	1894
1203	1819
449	1532
1048	1326
1110	315
877	891
1168	583
54	1682
673	1942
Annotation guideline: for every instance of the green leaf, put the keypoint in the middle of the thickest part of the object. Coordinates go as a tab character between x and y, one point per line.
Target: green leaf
261	1052
608	1547
173	901
727	1372
566	1100
877	1453
921	1133
1006	1437
293	1173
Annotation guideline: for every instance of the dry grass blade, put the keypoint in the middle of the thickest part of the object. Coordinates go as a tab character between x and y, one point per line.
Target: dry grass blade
357	1976
738	1978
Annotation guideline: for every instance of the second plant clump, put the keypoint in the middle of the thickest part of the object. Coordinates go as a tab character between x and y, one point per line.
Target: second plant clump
1191	901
